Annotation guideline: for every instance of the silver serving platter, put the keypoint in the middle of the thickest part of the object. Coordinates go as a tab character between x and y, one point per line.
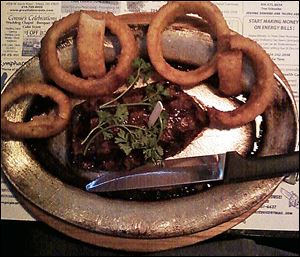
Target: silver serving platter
278	133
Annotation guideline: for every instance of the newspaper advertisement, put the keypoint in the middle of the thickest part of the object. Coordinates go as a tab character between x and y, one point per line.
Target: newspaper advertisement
273	24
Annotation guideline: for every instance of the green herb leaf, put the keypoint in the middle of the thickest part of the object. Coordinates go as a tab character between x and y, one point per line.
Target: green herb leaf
130	80
161	90
164	118
125	148
122	140
156	92
107	135
147	76
154	154
121	114
159	151
137	139
137	63
104	116
122	137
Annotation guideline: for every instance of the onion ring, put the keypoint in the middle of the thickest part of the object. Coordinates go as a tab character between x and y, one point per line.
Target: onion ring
165	16
144	18
261	94
39	126
90	47
94	87
136	18
229	66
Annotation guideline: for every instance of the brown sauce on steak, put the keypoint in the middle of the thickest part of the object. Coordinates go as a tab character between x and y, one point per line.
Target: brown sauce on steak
185	120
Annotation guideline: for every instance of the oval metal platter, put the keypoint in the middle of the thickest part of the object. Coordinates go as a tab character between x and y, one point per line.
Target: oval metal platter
42	185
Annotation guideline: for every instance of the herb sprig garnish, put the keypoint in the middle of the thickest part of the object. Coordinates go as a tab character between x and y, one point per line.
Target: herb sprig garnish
130	137
142	70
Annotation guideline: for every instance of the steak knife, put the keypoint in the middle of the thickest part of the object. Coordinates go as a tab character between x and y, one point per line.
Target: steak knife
228	167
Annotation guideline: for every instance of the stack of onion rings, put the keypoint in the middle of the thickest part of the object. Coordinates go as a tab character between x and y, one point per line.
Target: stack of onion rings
261	94
93	87
39	126
229	49
164	17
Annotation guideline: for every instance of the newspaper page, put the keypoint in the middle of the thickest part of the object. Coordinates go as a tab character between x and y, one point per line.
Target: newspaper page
273	24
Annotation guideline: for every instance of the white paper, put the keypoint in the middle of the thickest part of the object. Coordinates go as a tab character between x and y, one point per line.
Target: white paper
279	212
10	207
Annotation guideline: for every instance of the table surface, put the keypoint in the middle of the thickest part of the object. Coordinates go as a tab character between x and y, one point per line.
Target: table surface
37	239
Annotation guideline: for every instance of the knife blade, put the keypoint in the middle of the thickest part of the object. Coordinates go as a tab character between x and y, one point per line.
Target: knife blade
228	167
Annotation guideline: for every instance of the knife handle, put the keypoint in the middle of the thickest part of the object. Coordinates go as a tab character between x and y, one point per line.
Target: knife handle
238	168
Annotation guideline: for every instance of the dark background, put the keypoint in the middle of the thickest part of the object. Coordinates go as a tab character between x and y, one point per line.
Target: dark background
20	238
